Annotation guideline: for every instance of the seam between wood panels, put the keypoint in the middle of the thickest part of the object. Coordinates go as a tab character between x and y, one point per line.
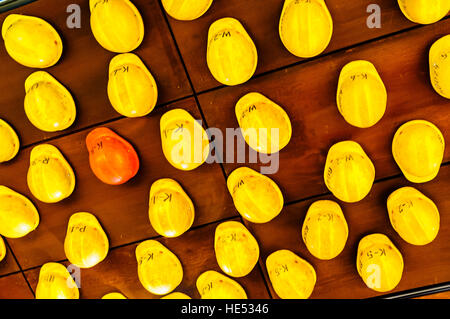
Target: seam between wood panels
380	180
188	76
20	268
111	120
141	240
330	53
10	274
206	124
260	262
195	95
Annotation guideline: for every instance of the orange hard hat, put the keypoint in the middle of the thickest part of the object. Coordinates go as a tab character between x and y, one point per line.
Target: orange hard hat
112	159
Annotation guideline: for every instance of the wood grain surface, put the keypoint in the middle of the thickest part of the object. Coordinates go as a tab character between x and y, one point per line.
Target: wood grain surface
306	89
338	278
122	210
307	92
15	287
83	67
8	264
118	272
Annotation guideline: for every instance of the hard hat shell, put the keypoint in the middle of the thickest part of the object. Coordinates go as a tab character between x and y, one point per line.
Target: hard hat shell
291	276
48	104
439	58
171	211
114	295
18	215
361	94
214	285
414	216
256	197
180	139
305	27
86	243
112	159
31	41
132	89
237	251
379	262
2	249
231	54
325	230
257	116
117	25
418	149
55	282
9	142
50	177
349	173
424	11
176	295
186	10
159	270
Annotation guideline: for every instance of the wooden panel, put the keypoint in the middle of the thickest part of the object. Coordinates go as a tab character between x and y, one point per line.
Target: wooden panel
307	91
261	21
122	210
308	94
8	264
338	278
14	287
119	271
83	68
440	295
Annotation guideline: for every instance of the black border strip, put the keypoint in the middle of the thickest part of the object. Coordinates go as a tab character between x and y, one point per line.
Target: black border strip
418	292
12	4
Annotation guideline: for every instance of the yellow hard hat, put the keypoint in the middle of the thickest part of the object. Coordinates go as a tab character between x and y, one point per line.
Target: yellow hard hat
361	94
379	262
50	177
2	249
418	149
18	215
184	142
159	270
9	142
325	229
48	104
214	285
258	117
171	211
55	282
116	24
132	89
414	216
349	173
186	10
424	11
256	197
31	41
176	295
305	27
231	53
237	251
86	243
440	66
291	276
114	295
